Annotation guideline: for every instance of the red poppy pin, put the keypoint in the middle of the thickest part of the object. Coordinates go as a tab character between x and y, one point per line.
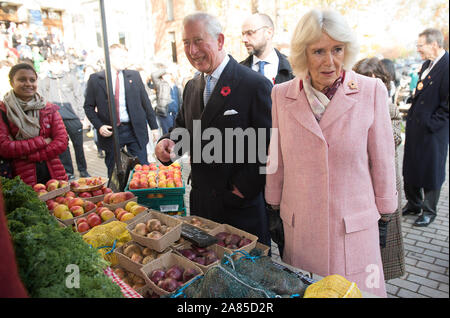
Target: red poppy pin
226	90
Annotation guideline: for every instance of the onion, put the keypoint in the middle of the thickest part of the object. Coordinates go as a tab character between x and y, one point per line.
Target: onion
157	275
222	236
189	274
232	239
175	272
245	241
188	253
199	250
200	260
168	284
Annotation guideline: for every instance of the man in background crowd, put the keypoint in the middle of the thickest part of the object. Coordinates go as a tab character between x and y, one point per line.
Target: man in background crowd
427	131
257	35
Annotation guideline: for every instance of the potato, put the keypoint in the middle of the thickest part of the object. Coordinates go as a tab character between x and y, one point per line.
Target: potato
132	249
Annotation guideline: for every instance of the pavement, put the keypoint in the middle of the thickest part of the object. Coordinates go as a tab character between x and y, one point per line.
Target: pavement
426	248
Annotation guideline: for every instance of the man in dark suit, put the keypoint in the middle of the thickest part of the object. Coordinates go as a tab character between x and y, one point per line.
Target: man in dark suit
133	109
427	131
223	94
257	35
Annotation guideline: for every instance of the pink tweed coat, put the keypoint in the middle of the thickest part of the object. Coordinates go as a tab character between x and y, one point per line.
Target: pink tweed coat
333	179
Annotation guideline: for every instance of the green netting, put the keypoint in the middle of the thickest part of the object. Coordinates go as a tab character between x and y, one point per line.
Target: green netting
262	270
252	276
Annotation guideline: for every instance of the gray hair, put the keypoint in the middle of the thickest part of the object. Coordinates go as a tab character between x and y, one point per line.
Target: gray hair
212	24
433	35
309	30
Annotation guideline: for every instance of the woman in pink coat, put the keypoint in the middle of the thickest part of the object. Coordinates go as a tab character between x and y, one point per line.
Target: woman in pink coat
331	168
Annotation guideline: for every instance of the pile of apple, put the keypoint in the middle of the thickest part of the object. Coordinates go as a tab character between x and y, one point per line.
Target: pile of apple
156	176
232	241
131	210
199	255
153	229
140	255
87	182
51	185
119	197
129	278
68	206
84	224
172	278
95	193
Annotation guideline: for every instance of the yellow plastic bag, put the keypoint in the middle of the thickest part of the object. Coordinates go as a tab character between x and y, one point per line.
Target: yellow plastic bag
333	286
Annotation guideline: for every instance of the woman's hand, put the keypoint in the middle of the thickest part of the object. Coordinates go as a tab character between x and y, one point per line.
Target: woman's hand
48	140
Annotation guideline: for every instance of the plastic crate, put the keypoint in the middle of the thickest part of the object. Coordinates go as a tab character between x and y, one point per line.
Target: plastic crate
145	192
168	203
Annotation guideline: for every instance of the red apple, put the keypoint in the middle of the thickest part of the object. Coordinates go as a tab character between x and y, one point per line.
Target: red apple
63	183
97	192
75	202
107	190
70	194
77	210
89	206
39	186
81	220
83	227
107	198
74	184
85	195
60	200
94	220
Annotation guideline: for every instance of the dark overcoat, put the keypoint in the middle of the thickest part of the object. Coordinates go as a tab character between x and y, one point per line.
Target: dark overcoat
284	68
427	129
138	104
240	99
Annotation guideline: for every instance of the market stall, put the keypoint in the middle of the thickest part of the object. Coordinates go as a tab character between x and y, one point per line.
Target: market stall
122	248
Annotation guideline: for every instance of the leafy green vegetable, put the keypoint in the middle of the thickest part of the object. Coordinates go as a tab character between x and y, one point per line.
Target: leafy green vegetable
44	250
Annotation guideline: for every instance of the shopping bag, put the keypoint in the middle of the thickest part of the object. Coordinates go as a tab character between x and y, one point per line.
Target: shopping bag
119	178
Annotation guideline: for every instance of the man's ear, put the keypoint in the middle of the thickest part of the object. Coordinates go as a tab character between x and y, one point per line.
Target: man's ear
220	41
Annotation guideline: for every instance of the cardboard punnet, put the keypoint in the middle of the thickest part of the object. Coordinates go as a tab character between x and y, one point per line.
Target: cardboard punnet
127	263
73	220
166	240
210	225
55	193
113	207
165	262
219	252
232	230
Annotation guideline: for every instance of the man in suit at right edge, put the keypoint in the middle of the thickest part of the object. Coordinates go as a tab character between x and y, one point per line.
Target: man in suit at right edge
257	35
427	131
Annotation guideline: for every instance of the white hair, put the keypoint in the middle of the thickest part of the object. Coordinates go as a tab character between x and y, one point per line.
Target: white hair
212	24
309	30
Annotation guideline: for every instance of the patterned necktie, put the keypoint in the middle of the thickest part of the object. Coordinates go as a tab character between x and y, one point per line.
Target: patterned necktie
261	65
207	92
117	99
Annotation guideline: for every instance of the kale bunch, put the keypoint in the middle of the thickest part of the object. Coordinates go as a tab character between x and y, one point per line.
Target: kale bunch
44	250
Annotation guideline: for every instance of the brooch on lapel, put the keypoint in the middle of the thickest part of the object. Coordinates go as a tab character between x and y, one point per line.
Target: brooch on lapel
352	85
420	86
131	81
226	90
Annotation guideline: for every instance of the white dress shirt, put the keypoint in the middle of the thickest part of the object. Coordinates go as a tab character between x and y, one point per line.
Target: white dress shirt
124	117
216	74
428	70
271	68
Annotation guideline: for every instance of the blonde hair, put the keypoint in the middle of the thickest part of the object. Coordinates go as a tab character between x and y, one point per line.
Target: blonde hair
309	30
